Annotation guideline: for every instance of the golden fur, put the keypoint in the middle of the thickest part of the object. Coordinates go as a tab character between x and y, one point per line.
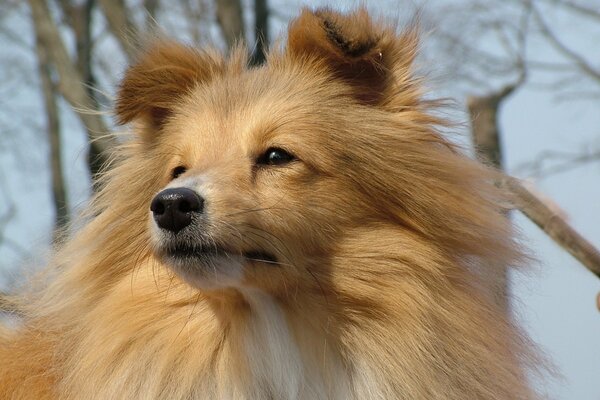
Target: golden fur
380	227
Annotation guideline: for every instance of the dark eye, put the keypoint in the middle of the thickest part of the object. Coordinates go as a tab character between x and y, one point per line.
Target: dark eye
177	171
275	156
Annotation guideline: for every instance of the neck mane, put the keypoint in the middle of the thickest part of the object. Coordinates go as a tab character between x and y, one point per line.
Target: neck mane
393	318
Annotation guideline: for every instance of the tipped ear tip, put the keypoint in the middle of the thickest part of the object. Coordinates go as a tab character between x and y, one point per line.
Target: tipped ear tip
349	36
364	53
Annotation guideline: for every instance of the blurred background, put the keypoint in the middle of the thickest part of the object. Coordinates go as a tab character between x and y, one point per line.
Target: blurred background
524	76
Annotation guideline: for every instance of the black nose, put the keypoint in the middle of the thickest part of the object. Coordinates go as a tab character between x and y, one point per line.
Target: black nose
173	208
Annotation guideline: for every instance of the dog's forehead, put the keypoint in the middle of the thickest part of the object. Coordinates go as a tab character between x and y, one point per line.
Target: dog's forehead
257	86
256	101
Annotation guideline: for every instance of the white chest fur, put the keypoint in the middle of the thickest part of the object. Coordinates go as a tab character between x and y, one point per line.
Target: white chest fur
274	359
283	364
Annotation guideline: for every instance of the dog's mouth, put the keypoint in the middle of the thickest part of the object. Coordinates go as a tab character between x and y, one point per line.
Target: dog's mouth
205	253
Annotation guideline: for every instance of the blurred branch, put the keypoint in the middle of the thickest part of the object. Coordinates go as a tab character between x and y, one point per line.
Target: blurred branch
231	21
5	219
71	85
483	111
5	241
583	64
261	31
554	226
195	12
586	11
122	25
53	131
561	162
14	37
485	132
79	18
485	129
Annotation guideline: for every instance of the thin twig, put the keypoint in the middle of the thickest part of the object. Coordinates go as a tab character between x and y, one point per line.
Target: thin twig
583	64
553	162
554	226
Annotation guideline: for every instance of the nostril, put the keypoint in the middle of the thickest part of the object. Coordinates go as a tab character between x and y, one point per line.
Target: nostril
185	206
157	206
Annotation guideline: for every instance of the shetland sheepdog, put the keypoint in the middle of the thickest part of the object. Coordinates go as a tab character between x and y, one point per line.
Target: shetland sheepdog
298	230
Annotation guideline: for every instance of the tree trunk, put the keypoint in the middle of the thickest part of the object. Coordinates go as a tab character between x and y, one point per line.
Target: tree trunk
59	194
80	20
261	31
72	87
121	25
485	132
231	21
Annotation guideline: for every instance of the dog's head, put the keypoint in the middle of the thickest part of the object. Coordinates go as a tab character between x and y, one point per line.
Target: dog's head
264	171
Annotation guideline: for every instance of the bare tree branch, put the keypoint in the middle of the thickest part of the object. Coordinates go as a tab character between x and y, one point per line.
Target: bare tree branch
485	129
583	10
555	226
580	61
79	18
71	85
196	14
121	24
231	21
485	132
484	123
59	194
261	31
14	37
6	241
559	162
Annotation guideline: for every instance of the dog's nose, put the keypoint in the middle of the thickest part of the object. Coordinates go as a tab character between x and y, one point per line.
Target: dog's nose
173	208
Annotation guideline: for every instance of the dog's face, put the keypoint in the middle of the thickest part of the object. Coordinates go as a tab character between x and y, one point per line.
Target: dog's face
258	165
262	172
252	182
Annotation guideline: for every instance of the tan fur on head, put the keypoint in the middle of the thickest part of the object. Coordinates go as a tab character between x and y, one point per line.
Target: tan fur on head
347	271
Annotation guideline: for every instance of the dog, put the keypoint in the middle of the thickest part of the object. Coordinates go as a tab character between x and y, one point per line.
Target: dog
298	230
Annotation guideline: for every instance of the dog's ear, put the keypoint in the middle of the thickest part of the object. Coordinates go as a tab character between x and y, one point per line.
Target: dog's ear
368	56
161	76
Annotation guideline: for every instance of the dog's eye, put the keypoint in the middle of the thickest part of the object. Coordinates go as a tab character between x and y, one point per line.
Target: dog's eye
275	156
177	171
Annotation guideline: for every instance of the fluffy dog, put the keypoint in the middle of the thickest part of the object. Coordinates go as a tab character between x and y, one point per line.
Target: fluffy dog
299	230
